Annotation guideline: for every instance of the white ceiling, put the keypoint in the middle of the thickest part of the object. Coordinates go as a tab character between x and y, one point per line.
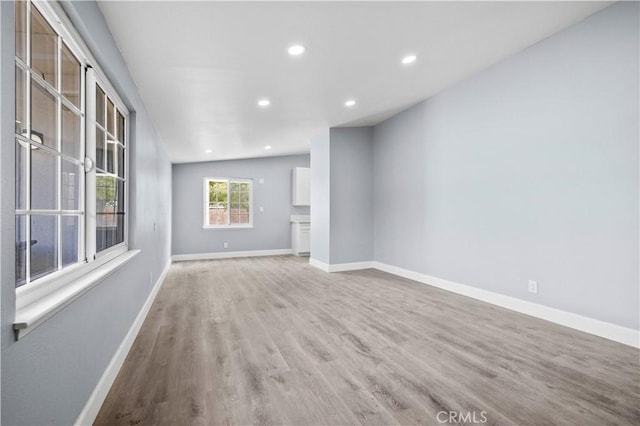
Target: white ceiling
201	67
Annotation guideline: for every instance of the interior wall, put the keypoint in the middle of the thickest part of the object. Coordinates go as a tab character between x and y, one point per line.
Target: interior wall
7	160
320	197
351	206
271	227
526	171
48	375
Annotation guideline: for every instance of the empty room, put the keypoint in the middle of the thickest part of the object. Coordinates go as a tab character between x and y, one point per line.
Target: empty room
319	213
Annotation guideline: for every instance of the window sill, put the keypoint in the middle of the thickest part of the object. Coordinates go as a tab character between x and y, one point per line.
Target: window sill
37	312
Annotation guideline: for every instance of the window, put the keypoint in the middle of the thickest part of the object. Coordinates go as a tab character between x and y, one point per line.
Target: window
228	203
110	172
67	118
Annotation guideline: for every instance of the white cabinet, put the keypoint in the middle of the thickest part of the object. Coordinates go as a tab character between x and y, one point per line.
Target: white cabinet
300	235
301	186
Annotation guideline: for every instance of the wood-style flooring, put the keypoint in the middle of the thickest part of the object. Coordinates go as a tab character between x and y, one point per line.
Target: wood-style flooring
272	340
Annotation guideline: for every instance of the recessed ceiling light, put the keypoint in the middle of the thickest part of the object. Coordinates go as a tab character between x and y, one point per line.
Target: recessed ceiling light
208	151
267	147
409	59
264	102
350	103
296	50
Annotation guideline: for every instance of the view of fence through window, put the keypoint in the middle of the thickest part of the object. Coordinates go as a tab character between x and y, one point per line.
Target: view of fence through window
229	202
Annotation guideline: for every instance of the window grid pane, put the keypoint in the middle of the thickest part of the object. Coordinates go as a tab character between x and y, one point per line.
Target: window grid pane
43	245
70	239
71	78
100	110
21	30
22	246
110	211
110	117
71	133
44	188
43	116
44	48
21	101
22	157
100	143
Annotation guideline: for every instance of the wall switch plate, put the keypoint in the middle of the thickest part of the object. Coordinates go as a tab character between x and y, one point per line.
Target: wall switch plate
260	180
533	286
261	208
225	244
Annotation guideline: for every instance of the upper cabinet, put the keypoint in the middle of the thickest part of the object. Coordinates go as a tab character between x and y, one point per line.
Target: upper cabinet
301	186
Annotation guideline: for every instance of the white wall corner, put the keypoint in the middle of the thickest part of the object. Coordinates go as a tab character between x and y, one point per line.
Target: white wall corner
627	336
320	265
96	399
229	255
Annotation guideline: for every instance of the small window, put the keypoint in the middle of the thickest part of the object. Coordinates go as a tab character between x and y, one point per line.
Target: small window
228	203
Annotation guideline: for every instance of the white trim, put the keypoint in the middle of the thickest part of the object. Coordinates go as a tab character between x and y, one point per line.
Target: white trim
92	407
607	330
354	266
32	315
229	254
341	267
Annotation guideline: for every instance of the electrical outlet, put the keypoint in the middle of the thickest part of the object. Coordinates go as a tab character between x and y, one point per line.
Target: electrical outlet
225	244
533	286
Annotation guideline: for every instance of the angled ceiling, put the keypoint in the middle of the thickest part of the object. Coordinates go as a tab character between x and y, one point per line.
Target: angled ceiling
201	67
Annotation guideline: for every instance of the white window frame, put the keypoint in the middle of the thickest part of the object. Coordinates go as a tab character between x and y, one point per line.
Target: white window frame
94	79
229	225
39	299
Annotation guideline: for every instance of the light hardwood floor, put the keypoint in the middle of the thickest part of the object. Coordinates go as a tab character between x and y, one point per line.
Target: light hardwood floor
272	340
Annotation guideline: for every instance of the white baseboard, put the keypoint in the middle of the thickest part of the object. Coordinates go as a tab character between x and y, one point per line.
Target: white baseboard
340	267
229	254
354	266
92	407
607	330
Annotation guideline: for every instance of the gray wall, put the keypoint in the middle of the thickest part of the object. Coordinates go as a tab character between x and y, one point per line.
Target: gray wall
48	375
399	194
271	228
320	197
528	170
7	188
351	207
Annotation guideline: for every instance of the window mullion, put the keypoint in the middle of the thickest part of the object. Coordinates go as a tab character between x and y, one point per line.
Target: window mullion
228	203
59	148
90	177
83	150
27	102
